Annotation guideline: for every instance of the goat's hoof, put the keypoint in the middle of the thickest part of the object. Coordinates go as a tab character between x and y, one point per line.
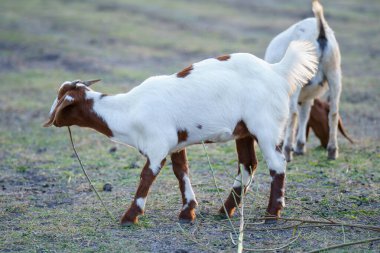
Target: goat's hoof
230	212
288	152
300	148
127	220
187	216
332	153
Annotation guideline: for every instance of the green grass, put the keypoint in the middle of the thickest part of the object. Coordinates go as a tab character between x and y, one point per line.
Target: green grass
46	204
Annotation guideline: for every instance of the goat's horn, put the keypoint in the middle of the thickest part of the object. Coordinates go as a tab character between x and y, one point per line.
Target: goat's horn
89	83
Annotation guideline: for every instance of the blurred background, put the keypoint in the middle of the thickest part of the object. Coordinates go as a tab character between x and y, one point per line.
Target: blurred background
123	42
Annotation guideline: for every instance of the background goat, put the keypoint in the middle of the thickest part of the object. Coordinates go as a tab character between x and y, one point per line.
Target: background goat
319	122
317	31
236	96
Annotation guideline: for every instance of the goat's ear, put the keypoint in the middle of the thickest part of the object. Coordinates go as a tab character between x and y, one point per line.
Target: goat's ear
62	104
91	82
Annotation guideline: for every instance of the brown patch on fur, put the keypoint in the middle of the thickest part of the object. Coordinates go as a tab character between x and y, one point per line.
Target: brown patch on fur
223	57
146	180
277	191
319	123
246	153
182	135
78	112
181	169
241	130
247	157
185	72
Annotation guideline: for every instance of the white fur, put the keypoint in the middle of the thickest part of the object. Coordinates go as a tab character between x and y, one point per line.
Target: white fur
246	180
282	201
69	98
328	69
140	202
53	106
216	95
189	194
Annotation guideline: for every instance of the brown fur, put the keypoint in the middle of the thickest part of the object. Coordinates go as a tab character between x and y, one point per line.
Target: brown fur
319	123
241	130
224	57
182	135
277	191
77	112
185	72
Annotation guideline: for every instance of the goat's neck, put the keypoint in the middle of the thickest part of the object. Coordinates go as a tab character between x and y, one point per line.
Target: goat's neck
112	110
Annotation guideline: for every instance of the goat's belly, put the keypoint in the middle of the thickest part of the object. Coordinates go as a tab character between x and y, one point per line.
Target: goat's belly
312	91
223	135
315	88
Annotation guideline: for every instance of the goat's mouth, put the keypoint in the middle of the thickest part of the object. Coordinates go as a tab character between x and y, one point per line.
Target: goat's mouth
48	123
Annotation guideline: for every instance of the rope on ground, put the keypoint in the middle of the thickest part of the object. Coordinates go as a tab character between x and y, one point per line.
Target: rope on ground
88	179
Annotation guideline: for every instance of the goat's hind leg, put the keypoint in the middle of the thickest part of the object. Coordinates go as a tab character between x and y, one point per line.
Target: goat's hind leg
248	162
181	171
304	114
335	88
277	166
291	126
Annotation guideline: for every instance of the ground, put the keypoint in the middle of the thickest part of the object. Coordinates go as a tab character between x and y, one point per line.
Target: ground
46	203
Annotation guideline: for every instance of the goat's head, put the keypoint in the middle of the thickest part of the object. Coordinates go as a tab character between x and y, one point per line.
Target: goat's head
71	106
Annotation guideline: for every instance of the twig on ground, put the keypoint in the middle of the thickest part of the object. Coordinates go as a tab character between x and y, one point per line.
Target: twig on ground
369	227
88	179
208	249
345	244
292	240
298	225
218	192
344	235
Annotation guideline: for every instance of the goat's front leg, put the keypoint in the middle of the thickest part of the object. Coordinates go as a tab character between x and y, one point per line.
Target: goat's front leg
304	114
147	177
247	159
291	126
181	171
335	88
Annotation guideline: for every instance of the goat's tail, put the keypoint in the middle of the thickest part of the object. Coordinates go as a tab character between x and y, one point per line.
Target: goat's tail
299	64
321	23
343	131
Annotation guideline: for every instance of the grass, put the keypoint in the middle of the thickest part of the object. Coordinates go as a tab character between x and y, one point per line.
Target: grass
46	204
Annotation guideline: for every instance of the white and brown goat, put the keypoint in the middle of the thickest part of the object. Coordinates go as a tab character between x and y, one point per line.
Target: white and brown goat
328	77
237	96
